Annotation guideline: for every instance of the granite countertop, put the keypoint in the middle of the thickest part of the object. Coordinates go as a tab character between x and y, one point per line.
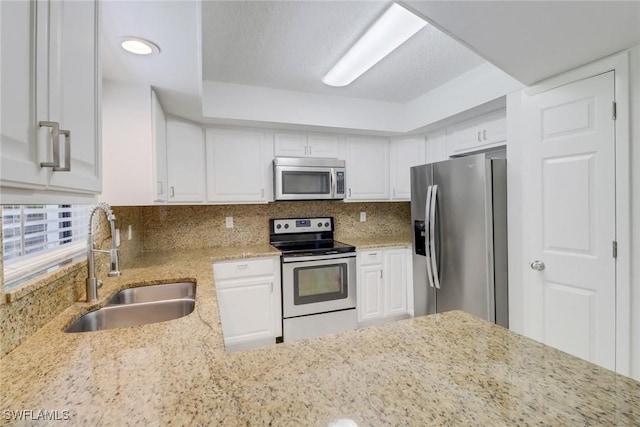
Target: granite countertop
451	369
372	242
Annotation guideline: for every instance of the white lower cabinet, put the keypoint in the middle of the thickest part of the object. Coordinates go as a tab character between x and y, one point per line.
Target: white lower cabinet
384	283
249	301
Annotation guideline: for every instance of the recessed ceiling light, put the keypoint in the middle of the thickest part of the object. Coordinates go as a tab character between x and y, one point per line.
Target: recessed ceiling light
138	46
393	28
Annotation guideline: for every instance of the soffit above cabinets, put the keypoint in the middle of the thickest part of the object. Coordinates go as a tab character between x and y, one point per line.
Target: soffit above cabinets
535	40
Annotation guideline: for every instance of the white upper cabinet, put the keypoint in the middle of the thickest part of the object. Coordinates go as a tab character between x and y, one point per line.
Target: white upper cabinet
238	166
185	162
405	153
367	168
436	147
480	133
289	144
50	99
159	145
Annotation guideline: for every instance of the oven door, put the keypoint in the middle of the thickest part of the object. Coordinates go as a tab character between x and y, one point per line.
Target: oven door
318	284
304	183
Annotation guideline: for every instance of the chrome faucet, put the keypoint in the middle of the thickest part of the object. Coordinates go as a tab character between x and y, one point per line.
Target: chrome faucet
92	283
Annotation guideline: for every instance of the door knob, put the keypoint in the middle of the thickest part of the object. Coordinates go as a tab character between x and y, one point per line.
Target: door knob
537	265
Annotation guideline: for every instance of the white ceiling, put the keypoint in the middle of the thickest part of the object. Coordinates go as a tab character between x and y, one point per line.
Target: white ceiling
289	45
292	44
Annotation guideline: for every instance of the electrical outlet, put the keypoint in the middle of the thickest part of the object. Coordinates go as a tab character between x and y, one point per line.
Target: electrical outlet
229	221
363	216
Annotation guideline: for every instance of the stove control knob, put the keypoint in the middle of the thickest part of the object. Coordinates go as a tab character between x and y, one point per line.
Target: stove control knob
279	226
326	224
286	226
319	224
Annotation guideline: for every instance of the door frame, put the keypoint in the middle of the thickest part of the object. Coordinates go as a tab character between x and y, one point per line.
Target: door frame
619	63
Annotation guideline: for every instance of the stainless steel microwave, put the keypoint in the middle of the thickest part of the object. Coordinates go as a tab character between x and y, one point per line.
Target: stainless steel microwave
306	178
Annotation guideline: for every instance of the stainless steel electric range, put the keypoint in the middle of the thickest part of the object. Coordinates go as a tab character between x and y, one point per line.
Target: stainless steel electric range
318	278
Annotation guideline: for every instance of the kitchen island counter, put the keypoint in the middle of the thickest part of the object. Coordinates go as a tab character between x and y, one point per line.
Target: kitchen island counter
449	368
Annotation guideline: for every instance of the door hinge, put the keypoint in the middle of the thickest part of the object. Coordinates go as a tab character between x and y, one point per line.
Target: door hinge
615	249
614	110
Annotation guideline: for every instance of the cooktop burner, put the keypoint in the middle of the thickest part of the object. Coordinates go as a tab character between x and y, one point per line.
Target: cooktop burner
305	236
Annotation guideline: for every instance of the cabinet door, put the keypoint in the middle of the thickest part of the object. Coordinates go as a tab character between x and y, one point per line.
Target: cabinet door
159	143
185	162
494	128
322	145
290	144
19	149
235	165
367	168
395	281
405	153
370	293
75	88
464	137
436	147
246	310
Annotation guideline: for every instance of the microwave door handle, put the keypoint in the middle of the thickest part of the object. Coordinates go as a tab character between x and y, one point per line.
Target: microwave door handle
427	240
333	183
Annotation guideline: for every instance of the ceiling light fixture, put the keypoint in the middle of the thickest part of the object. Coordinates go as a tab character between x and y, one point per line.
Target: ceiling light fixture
393	28
138	46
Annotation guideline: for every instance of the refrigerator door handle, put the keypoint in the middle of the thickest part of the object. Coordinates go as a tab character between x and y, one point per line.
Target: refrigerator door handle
432	234
427	237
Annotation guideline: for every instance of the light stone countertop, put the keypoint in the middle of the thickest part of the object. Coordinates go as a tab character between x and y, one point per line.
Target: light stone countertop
445	369
373	242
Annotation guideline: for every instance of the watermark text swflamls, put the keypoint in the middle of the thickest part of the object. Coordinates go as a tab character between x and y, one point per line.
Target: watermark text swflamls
36	415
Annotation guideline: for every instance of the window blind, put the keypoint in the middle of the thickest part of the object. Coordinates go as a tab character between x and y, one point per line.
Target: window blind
36	237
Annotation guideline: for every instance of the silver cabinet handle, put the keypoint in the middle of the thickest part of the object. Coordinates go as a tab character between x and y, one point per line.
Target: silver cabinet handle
172	191
262	193
349	192
159	189
310	150
55	139
67	153
381	274
537	265
306	149
484	134
394	192
242	266
479	138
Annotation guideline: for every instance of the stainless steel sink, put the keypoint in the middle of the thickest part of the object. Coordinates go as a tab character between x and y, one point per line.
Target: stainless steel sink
120	316
154	293
140	306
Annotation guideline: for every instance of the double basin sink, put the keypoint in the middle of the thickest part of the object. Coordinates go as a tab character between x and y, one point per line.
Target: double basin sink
140	306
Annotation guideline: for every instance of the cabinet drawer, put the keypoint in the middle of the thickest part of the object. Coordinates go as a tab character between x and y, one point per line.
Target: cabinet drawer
370	257
244	268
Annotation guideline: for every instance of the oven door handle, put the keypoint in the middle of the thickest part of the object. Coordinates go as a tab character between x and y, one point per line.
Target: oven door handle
318	257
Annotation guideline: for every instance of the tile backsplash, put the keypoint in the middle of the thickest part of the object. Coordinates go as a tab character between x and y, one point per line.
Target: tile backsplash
192	227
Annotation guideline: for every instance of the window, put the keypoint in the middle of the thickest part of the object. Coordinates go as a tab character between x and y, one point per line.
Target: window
38	237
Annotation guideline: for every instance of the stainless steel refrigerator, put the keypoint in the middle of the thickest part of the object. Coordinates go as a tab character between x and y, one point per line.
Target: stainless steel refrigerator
459	217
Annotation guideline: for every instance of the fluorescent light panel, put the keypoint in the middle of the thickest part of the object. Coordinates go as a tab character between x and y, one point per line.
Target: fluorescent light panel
394	27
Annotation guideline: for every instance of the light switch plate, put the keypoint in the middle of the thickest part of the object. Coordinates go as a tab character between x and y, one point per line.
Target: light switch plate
363	216
229	221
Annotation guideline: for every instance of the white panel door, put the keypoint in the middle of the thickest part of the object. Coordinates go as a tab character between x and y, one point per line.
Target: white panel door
370	293
75	34
395	280
185	162
290	144
325	146
569	209
20	153
235	165
405	153
367	167
159	143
